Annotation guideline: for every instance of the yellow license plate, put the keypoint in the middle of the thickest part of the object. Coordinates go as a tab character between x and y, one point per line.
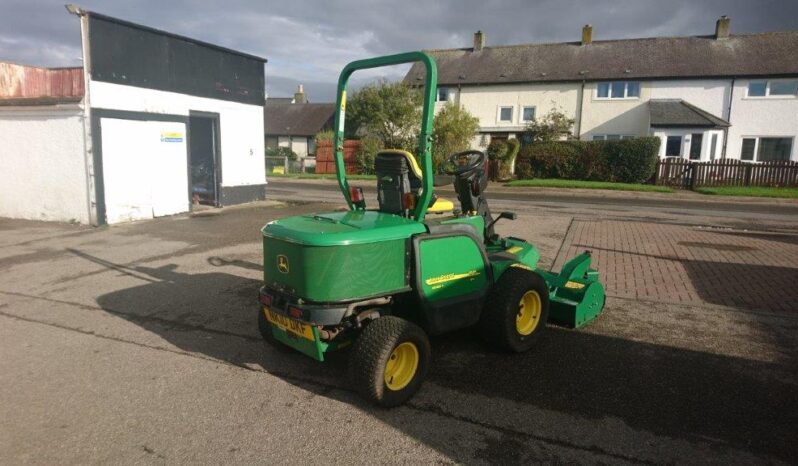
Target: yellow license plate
289	325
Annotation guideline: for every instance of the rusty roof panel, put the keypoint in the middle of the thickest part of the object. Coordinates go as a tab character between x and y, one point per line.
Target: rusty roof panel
42	84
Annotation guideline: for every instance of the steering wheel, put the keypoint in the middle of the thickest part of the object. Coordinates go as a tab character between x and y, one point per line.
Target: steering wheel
464	162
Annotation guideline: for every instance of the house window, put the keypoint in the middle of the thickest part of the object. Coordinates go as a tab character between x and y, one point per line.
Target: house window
695	146
749	146
633	89
779	88
783	88
618	90
713	146
506	114
312	147
673	146
443	94
764	149
528	114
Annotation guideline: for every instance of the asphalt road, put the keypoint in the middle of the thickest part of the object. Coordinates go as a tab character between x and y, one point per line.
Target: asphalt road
137	344
570	201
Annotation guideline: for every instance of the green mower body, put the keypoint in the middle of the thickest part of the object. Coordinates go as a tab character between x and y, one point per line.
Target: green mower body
358	277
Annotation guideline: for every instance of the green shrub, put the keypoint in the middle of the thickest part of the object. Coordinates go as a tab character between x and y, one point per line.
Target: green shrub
369	146
496	150
632	160
452	132
281	152
625	161
325	135
513	146
506	162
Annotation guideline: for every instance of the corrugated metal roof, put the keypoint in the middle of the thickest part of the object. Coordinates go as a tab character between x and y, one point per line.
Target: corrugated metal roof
40	85
768	54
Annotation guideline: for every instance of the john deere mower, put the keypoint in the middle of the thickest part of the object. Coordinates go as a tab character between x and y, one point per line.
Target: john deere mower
380	280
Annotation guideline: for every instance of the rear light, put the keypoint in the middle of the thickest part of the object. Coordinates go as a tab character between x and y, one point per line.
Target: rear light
356	194
265	299
409	201
295	312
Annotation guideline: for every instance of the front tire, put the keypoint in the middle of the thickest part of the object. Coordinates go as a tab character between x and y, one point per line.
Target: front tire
516	311
389	361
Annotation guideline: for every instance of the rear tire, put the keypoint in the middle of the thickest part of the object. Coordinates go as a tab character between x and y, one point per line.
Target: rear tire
389	361
516	311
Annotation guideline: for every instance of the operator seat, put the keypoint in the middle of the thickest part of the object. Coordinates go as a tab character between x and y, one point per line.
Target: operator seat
398	173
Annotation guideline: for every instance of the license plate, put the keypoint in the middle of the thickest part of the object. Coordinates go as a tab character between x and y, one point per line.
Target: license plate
290	325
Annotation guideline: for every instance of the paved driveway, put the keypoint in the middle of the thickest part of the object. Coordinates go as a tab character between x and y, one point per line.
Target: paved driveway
670	263
137	344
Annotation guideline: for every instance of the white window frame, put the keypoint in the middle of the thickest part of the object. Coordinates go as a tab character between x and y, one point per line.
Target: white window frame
499	115
756	146
767	90
534	113
448	94
625	90
681	146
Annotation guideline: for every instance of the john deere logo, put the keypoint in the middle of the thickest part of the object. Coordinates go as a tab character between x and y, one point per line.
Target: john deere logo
282	263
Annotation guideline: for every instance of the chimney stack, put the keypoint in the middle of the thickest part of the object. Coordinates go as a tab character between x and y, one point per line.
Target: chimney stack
722	27
587	34
299	95
479	41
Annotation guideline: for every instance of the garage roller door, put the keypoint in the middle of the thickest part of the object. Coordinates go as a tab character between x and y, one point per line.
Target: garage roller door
145	169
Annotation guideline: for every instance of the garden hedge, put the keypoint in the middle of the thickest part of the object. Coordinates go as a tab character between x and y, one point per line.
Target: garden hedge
624	161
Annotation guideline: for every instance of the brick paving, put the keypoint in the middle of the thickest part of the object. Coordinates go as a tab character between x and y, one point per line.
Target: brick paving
675	263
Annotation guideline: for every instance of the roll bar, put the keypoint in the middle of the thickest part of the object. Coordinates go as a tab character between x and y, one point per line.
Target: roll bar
424	139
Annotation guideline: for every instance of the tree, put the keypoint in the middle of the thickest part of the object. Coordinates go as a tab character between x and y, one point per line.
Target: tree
390	112
552	127
452	132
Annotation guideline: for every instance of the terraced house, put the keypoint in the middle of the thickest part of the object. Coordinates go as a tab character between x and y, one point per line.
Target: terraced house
706	97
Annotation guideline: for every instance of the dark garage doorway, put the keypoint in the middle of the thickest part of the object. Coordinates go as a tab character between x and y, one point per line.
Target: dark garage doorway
204	161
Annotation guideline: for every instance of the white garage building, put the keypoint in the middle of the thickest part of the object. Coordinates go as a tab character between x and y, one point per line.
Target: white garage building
152	124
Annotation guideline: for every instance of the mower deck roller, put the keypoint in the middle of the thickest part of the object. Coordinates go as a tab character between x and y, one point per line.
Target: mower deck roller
380	280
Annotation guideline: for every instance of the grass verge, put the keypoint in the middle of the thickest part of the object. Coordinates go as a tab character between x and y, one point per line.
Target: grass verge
753	191
557	183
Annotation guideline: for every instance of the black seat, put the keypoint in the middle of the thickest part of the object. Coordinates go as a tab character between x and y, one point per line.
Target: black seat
398	173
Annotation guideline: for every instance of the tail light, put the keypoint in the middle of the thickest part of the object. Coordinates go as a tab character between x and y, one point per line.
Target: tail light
409	201
356	194
265	299
295	312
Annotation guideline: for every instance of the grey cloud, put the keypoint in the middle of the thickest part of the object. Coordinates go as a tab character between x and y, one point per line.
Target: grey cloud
309	41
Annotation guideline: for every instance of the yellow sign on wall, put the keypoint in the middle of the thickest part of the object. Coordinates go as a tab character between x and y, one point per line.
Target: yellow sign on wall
171	136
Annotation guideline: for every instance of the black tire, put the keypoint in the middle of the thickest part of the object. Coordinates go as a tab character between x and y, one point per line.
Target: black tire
371	352
498	321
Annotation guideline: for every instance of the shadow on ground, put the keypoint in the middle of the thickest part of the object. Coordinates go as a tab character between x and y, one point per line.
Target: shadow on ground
728	402
753	287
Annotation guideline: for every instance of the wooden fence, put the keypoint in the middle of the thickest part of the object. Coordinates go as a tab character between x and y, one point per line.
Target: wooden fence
681	173
325	157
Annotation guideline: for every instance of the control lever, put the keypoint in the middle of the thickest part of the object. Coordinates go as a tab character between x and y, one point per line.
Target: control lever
507	215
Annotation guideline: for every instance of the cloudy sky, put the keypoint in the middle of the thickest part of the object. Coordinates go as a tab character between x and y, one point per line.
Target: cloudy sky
310	41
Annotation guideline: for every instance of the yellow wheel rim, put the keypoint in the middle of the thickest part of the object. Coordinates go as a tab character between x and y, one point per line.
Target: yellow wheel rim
401	366
528	313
